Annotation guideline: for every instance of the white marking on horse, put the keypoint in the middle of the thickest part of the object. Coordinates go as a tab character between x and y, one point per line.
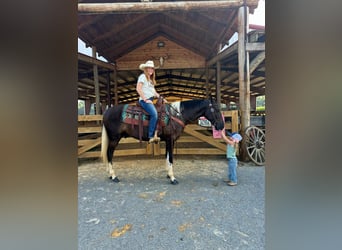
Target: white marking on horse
169	168
176	106
111	171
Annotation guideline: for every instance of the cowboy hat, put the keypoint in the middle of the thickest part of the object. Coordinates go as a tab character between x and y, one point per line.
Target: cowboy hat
148	64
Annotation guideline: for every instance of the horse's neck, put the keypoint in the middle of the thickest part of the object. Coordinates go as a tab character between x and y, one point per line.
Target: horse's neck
192	110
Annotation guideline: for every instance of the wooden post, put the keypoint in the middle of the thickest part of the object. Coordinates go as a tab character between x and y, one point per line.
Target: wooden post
116	98
218	78
87	106
235	121
156	149
253	102
109	98
244	82
149	148
207	81
218	82
96	83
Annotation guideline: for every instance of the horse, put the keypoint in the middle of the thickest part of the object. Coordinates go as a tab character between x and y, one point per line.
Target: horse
178	115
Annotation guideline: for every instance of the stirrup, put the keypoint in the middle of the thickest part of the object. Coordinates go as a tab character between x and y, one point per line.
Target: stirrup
155	139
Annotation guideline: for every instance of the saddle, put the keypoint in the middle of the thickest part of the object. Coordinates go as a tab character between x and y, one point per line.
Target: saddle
137	116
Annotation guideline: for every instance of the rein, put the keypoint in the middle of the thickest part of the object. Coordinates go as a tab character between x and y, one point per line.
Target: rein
179	121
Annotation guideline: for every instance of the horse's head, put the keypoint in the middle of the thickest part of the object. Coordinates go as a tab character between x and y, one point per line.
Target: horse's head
213	114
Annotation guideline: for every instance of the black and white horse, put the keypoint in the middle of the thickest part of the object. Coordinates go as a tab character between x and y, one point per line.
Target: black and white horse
179	114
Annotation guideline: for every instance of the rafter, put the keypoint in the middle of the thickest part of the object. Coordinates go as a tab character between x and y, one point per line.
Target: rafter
118	28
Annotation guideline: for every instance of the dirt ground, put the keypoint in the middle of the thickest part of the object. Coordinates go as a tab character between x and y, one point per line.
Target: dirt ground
144	211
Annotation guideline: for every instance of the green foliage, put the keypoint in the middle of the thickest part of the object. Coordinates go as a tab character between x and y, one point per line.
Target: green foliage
260	103
80	104
81	107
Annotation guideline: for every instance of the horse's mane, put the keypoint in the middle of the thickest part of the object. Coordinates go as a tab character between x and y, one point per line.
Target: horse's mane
192	103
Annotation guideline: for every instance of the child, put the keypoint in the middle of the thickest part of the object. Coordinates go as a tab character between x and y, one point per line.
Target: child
232	142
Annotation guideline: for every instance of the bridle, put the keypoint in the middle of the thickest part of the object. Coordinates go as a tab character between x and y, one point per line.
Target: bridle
212	110
179	119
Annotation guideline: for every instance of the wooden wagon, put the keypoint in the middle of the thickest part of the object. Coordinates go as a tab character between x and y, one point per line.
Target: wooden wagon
255	138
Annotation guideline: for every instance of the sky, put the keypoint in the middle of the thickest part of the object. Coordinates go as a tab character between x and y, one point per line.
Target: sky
257	18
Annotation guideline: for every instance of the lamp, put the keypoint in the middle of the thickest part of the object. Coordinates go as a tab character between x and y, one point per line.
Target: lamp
160	44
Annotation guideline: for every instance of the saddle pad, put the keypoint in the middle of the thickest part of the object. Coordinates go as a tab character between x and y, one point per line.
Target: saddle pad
133	115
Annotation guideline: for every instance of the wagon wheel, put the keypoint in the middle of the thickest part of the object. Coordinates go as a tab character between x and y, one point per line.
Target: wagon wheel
255	144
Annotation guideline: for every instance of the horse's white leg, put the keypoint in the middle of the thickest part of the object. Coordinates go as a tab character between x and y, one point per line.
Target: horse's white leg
169	169
111	170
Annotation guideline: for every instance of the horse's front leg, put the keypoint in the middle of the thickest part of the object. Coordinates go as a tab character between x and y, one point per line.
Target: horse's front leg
110	169
169	162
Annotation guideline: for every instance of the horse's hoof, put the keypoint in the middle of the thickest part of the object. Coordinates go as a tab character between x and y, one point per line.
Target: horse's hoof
174	182
116	179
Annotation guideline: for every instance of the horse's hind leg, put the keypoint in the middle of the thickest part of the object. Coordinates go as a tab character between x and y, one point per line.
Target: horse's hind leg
110	151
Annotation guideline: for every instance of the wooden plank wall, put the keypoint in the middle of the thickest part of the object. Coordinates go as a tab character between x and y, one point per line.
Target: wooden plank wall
195	140
174	56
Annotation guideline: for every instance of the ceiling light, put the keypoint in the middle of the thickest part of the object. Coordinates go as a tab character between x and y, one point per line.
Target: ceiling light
160	44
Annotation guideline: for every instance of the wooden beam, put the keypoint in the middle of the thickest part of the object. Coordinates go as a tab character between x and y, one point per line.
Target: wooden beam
86	130
144	7
95	61
223	37
87	118
178	18
139	38
135	21
88	146
256	61
185	41
232	49
195	151
255	47
189	129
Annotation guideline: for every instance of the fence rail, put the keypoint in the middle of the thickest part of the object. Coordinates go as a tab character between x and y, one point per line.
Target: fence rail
195	140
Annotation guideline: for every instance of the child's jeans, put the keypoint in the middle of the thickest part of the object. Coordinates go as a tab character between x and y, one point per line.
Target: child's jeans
232	165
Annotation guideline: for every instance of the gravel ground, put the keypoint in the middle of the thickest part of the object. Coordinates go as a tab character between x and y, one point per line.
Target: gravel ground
144	211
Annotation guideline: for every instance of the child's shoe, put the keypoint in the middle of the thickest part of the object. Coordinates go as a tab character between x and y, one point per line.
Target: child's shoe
230	183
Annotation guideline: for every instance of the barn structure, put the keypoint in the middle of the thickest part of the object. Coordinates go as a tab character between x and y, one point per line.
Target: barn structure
187	40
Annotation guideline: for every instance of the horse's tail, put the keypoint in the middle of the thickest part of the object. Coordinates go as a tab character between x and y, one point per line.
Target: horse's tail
104	145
